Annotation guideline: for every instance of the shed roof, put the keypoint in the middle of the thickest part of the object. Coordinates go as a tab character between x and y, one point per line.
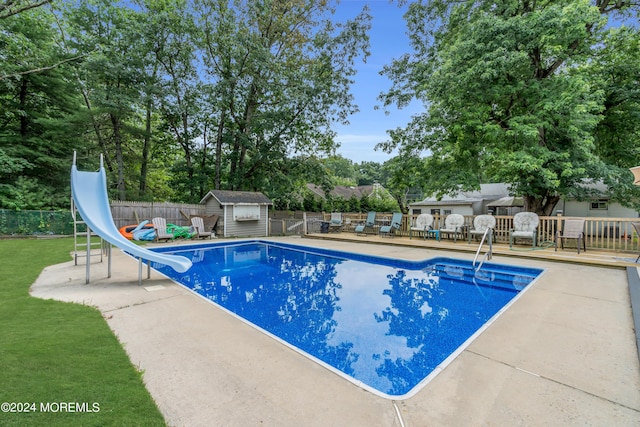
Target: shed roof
226	197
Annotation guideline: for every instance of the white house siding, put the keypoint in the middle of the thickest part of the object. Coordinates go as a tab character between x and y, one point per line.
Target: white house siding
614	211
455	209
583	209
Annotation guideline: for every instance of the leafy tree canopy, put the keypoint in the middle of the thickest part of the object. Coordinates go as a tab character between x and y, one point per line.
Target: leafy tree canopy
520	92
180	97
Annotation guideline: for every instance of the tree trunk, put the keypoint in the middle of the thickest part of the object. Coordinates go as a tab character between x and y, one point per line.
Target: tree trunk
24	119
542	205
96	126
144	166
117	139
203	160
219	151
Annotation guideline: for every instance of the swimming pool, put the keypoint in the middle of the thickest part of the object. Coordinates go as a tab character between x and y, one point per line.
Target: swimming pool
386	325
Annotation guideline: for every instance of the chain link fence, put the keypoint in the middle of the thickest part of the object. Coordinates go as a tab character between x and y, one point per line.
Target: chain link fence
29	223
35	223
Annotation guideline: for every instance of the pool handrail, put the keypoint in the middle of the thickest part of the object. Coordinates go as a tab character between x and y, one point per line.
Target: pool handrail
489	253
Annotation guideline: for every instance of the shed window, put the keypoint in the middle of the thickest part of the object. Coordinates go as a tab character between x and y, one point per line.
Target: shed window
246	212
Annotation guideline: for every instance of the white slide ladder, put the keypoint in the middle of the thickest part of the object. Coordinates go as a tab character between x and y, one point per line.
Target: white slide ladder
84	248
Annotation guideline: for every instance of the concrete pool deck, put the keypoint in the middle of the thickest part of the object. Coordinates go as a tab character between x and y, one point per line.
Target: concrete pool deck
563	354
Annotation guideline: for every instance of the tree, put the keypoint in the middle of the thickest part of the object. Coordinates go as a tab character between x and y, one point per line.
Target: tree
172	34
617	65
403	175
368	173
112	78
178	96
279	74
341	169
38	124
509	92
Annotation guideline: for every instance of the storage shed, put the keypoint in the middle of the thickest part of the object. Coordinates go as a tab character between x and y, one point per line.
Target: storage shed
242	213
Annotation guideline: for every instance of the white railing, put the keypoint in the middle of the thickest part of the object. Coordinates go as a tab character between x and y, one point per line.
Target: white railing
601	233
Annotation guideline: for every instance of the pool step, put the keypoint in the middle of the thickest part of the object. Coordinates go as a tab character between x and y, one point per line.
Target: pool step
488	275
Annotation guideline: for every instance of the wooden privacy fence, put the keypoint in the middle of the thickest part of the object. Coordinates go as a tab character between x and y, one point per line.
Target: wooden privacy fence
126	212
601	233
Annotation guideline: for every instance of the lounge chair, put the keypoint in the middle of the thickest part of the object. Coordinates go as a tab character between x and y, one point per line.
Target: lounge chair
198	224
573	229
160	227
390	230
336	223
481	224
453	224
369	223
525	226
424	223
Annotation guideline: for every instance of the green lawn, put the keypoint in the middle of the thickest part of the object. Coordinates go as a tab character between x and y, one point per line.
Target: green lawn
53	352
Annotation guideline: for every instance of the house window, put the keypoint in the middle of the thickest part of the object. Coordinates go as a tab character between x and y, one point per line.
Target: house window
600	205
246	212
447	211
435	211
417	211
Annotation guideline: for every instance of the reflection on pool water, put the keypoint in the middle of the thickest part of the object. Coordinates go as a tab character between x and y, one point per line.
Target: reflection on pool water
384	324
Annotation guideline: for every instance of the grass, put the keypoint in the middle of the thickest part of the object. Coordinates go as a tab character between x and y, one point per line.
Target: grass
53	352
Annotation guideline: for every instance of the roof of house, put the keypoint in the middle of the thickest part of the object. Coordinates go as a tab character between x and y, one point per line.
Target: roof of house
508	202
226	197
489	192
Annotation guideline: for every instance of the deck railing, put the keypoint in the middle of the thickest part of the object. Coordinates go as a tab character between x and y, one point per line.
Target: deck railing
615	234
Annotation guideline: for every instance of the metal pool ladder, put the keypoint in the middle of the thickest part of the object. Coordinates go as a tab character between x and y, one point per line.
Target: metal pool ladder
489	253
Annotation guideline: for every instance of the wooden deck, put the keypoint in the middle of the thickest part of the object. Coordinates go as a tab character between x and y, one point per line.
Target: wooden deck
608	258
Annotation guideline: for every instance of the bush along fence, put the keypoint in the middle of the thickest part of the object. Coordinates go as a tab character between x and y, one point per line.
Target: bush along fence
35	222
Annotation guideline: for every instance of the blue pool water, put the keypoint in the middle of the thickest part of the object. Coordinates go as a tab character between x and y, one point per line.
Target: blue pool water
384	324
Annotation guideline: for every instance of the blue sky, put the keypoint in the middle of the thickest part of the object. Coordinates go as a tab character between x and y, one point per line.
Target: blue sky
388	40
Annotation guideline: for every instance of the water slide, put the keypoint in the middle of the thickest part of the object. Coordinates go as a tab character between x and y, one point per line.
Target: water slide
89	191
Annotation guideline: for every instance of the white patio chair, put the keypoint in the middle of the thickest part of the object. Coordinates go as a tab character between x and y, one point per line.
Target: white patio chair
453	224
525	226
424	223
481	224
